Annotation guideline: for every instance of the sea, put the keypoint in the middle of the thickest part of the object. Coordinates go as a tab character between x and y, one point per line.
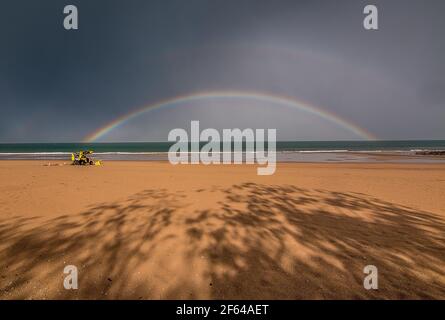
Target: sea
286	151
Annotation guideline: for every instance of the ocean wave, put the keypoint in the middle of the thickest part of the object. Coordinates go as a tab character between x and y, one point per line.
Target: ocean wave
142	153
217	152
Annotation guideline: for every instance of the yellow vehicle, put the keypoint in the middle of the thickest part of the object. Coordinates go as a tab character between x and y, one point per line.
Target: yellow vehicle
83	157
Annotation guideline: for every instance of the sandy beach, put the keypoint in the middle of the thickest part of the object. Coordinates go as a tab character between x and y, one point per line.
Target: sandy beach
150	230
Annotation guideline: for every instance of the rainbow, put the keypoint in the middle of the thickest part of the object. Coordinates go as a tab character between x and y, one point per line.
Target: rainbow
280	100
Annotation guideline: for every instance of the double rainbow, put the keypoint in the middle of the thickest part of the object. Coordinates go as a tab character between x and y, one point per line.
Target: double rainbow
252	96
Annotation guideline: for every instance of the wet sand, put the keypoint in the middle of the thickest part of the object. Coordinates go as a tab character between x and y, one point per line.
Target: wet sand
150	230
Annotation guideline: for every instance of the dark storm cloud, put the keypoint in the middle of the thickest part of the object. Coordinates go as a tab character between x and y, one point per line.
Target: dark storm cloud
58	85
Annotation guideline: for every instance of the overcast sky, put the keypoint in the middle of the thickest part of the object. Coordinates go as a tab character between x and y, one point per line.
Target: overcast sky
58	85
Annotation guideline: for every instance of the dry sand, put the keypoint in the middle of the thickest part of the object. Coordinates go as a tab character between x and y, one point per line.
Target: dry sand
145	230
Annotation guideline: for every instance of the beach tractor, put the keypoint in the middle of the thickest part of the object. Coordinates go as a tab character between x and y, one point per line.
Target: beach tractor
83	158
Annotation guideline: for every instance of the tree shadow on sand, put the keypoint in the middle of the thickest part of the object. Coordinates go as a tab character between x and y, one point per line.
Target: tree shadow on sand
286	242
259	242
111	238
